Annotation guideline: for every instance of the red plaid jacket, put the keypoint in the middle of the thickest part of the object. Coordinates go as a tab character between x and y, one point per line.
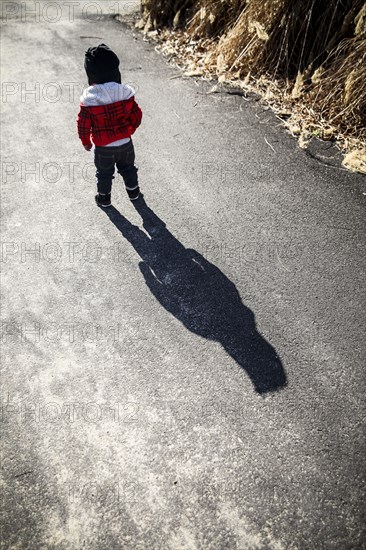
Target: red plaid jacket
105	123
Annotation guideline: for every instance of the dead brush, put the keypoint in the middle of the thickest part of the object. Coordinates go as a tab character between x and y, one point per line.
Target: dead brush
340	94
306	56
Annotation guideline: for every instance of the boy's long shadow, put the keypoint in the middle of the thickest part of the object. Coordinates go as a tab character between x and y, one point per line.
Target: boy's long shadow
198	294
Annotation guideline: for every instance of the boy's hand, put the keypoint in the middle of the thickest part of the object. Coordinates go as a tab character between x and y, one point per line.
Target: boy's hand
88	147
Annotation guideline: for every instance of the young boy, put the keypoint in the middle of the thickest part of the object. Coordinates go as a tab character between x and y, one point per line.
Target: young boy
109	115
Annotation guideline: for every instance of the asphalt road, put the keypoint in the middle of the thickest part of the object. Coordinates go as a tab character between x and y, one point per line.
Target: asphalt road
187	373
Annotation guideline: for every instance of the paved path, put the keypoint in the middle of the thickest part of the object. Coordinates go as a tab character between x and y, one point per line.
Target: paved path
186	374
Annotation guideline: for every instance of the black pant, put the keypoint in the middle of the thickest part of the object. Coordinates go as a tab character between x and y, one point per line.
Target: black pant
106	158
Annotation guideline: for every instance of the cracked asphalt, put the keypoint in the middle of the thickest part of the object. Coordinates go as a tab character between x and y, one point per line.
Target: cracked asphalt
186	373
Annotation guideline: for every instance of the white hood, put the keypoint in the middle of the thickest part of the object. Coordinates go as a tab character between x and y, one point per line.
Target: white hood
104	94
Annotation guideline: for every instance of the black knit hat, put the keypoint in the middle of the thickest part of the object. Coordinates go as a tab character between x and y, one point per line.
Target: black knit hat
101	65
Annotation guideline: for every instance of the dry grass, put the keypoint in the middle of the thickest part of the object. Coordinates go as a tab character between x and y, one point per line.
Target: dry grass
306	57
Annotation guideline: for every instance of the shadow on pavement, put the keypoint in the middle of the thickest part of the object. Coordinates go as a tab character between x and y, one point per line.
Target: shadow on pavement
198	294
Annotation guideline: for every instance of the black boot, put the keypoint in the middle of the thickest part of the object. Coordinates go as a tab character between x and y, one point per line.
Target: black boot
133	193
103	200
